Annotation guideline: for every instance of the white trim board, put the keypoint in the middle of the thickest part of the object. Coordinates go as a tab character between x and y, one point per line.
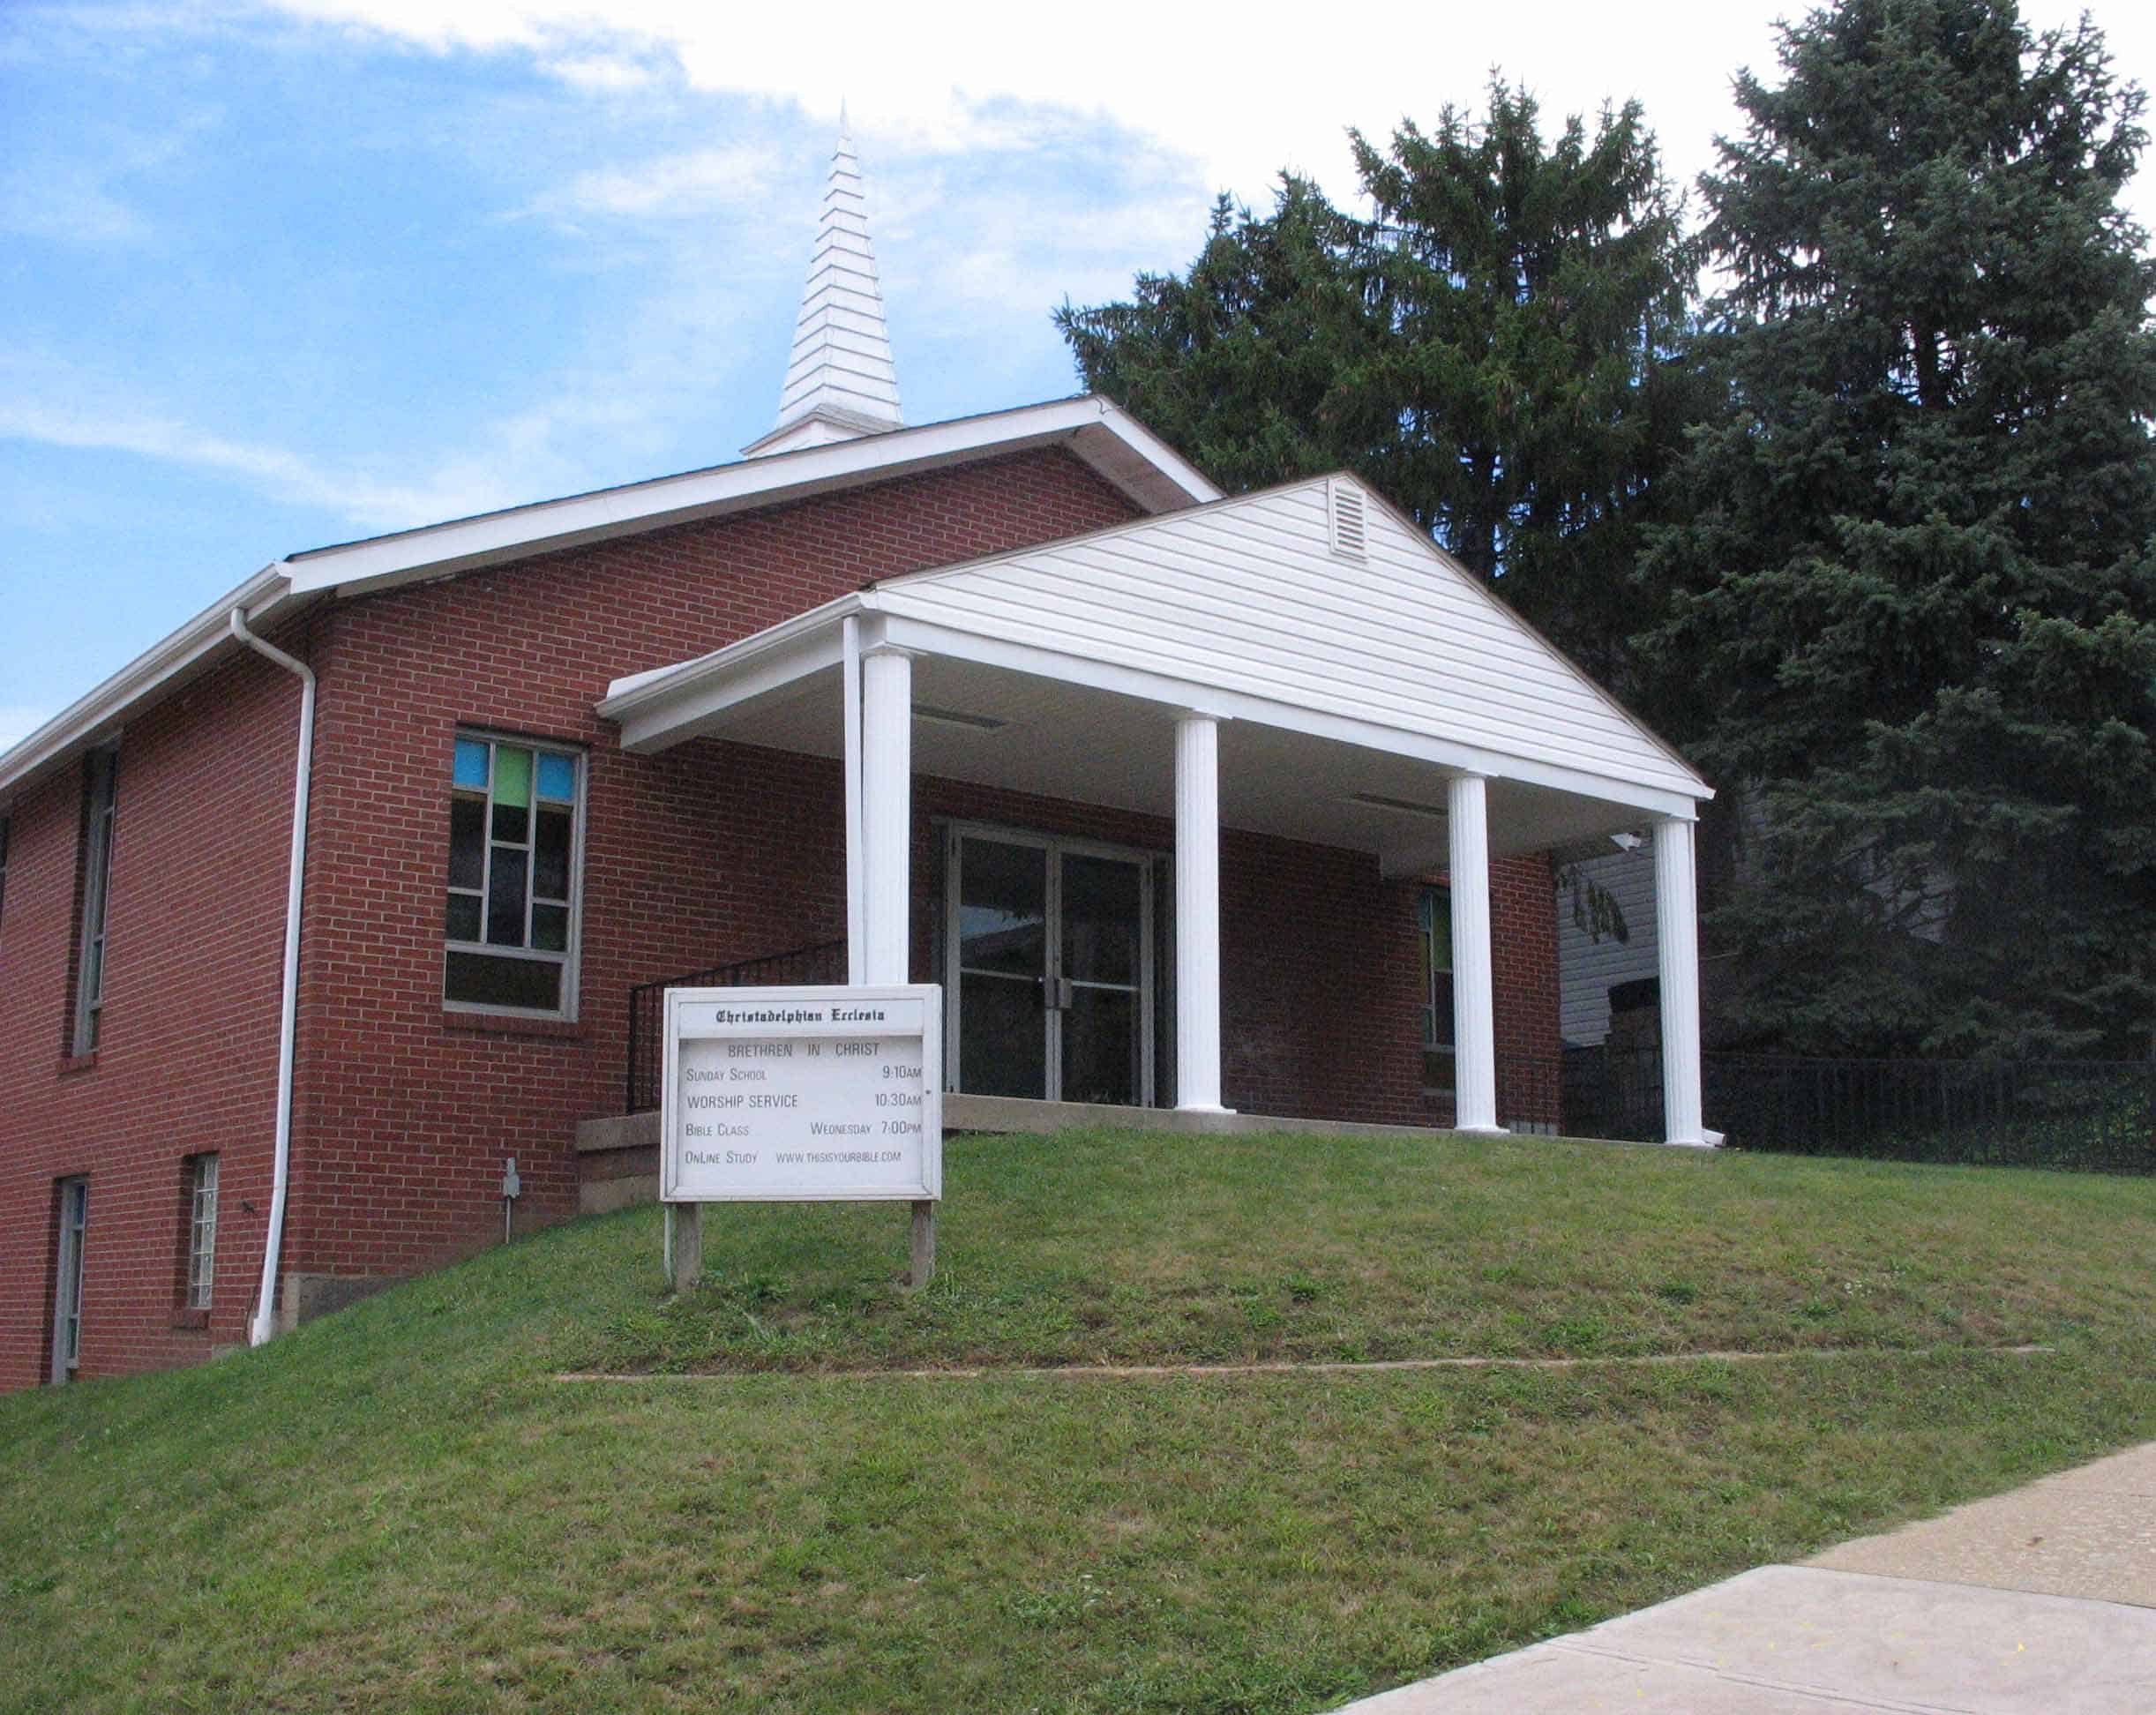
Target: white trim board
1108	439
1239	609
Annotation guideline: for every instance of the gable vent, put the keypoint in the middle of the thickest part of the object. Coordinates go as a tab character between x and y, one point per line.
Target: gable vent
1344	504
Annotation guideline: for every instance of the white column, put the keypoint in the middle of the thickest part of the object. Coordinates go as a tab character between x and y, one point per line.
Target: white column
1676	921
1197	914
1474	1002
887	811
857	904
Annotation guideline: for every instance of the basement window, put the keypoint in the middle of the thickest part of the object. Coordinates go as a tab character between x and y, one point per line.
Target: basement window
1433	921
516	816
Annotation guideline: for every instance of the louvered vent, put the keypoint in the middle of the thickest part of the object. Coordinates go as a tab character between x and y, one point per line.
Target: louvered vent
1345	502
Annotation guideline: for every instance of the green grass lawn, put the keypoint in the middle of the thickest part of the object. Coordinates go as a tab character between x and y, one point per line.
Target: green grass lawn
403	1508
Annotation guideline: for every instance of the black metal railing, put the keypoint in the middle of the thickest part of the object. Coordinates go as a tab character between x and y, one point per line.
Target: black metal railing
823	962
2099	1114
2040	1114
1614	1091
1531	1092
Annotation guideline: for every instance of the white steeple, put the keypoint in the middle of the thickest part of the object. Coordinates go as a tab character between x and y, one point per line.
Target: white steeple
840	383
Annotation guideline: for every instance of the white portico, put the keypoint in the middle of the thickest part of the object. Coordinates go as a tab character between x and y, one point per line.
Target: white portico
1301	662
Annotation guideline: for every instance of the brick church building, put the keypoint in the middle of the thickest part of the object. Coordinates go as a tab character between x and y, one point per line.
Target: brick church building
332	903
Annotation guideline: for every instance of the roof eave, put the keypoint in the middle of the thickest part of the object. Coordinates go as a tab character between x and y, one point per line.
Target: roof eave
94	718
1120	450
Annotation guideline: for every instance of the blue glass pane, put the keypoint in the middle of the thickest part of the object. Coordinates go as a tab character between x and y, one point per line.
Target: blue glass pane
471	763
557	778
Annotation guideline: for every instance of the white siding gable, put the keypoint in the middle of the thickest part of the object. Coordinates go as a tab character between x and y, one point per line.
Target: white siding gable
1250	596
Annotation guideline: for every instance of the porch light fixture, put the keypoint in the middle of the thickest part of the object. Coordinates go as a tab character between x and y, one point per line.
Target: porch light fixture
952	717
1377	801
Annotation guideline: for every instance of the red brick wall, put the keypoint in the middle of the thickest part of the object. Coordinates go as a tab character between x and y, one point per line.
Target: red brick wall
707	854
710	853
1324	1019
187	1057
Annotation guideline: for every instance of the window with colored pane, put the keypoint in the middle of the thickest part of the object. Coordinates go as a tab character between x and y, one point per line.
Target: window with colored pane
1433	913
509	916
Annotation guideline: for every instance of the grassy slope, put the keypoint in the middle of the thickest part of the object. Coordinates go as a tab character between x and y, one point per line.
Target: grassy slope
399	1508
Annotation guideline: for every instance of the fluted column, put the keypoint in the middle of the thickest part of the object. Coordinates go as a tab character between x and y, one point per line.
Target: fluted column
887	811
1197	914
1474	1001
1676	912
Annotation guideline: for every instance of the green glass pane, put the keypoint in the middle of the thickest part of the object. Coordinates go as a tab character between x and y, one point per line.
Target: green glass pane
557	778
471	768
513	775
463	924
1437	920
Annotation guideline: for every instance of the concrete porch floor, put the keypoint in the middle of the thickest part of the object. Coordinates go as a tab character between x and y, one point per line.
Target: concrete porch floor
618	1154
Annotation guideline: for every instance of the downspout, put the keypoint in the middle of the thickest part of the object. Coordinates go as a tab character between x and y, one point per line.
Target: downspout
263	1326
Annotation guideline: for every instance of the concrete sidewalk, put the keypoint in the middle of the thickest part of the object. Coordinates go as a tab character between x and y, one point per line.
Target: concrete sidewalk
2038	1602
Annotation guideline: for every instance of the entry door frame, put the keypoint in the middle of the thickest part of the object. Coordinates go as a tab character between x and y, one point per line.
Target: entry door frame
955	834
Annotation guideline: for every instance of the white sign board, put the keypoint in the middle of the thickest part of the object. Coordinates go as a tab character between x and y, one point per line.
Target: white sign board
802	1095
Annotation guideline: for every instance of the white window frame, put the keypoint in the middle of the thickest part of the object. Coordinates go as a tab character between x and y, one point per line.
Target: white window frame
101	789
570	960
1435	898
201	1230
74	1194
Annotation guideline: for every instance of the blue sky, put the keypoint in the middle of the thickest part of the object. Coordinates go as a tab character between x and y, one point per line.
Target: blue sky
274	275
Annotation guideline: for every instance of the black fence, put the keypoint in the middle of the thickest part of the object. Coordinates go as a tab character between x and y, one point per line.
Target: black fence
2093	1114
824	963
1530	1093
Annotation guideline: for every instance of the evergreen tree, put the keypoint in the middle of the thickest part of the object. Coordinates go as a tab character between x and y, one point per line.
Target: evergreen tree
1493	351
1252	365
1911	602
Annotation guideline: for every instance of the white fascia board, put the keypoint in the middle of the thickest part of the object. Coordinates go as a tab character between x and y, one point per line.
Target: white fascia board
930	638
96	716
1482	588
657	710
1145	444
550	525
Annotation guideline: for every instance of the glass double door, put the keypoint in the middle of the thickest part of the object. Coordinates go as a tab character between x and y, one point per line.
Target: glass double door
1049	956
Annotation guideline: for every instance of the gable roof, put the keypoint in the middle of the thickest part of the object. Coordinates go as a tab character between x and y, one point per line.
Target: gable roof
1252	595
1120	449
1247	608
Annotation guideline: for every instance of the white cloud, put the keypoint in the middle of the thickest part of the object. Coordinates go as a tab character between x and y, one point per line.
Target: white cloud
364	497
1244	92
691	182
602	72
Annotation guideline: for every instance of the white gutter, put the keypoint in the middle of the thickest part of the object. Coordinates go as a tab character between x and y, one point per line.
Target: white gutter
263	1325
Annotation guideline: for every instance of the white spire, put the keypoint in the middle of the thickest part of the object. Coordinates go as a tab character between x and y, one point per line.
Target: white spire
840	383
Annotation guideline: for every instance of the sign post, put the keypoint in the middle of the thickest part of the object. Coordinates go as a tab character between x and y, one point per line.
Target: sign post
801	1095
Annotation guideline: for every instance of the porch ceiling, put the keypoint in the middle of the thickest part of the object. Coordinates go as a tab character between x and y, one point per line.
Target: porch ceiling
1057	739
